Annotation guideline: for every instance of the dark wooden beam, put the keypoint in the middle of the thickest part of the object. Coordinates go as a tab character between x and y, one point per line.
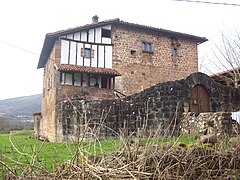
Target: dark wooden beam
85	42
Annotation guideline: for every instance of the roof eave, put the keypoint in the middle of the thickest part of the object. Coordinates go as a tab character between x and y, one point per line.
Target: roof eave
46	50
168	33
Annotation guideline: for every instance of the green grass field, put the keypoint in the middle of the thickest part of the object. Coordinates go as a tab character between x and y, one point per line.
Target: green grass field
20	148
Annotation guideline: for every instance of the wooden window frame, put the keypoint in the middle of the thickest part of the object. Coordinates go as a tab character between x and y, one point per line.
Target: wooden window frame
146	47
87	53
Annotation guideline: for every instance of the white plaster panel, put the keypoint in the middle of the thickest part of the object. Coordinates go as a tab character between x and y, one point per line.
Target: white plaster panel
83	36
91	35
87	62
79	57
87	45
64	51
101	56
77	36
108	57
70	36
73	53
94	59
106	40
98	35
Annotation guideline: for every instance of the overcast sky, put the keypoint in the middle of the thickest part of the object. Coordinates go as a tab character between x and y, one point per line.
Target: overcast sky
24	24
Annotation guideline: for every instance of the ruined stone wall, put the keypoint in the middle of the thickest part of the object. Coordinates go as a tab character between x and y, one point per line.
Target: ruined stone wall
141	70
196	124
37	119
156	111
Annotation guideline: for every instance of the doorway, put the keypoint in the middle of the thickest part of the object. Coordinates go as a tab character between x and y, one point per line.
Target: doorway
199	99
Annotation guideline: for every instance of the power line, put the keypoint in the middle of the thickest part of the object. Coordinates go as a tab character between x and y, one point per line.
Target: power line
17	47
208	2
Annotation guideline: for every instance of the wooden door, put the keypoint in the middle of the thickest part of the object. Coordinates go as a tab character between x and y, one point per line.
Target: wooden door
199	99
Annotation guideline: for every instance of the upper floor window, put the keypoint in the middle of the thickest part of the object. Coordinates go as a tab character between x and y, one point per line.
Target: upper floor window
174	51
106	33
175	47
146	47
87	53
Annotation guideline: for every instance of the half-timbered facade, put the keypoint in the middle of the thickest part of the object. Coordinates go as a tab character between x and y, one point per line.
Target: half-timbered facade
97	60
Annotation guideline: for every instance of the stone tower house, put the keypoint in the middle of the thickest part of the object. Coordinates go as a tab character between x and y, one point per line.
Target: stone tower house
102	59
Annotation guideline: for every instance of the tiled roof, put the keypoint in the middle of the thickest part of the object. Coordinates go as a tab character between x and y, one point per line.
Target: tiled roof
198	39
225	73
224	76
50	38
85	69
79	28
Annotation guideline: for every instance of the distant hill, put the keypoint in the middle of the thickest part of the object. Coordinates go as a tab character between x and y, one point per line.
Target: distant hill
20	108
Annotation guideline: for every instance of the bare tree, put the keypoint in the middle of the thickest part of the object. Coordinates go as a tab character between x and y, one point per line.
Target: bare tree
227	59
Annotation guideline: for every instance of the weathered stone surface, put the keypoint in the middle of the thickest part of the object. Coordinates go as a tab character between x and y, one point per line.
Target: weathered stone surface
208	139
219	123
145	111
142	70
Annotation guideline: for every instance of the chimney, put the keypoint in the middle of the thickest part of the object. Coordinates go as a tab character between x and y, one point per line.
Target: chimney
95	19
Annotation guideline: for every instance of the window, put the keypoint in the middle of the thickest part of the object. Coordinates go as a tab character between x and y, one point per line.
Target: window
77	79
174	51
67	78
87	53
146	47
106	33
175	47
86	80
133	52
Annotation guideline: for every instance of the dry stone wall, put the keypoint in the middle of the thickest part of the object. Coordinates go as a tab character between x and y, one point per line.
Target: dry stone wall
156	111
197	124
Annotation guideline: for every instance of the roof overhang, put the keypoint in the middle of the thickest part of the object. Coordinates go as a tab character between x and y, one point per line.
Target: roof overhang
50	38
85	69
165	32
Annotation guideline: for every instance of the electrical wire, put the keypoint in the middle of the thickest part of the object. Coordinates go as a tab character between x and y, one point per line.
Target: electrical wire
208	2
17	47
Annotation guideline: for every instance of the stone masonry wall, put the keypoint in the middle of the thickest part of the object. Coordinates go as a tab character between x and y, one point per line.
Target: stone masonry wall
37	119
141	70
156	111
196	124
55	93
49	95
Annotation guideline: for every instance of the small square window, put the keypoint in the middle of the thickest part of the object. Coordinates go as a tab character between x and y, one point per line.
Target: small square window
133	52
146	47
87	53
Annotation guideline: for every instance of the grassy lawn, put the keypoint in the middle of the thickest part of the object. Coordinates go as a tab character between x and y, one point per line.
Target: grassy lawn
23	149
48	154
